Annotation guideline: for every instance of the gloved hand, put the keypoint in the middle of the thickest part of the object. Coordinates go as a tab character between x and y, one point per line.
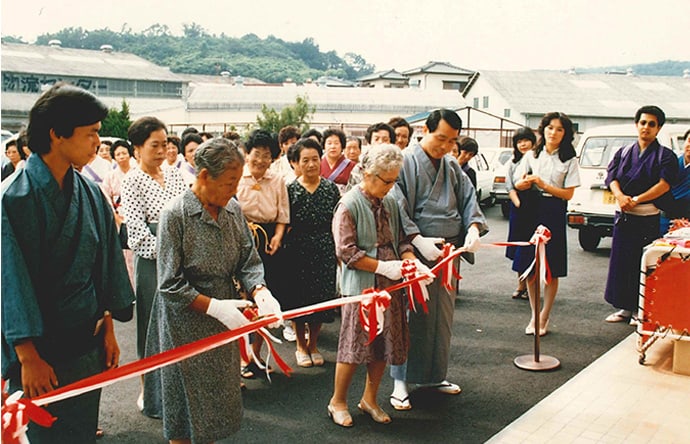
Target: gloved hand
424	270
427	246
228	311
472	242
268	305
391	269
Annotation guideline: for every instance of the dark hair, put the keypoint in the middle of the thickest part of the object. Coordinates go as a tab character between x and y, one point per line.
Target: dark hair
106	142
313	132
118	144
566	151
449	116
356	139
296	148
685	136
232	135
397	122
378	127
187	139
189	130
262	138
653	110
468	144
141	129
23	141
13	143
206	135
62	108
288	132
335	132
520	134
175	141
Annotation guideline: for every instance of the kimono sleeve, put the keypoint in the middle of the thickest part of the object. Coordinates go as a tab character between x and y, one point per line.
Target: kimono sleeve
21	316
404	193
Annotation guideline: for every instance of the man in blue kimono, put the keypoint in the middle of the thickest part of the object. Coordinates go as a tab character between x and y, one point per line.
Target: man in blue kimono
63	272
638	175
438	203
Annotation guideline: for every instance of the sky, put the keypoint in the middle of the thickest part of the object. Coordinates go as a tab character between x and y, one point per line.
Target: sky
404	34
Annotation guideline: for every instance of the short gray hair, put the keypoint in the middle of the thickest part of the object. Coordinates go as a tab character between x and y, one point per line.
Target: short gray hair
216	155
382	158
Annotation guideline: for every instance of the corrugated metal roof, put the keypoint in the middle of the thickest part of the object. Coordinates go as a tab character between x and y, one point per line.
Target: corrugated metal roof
35	59
405	100
23	102
594	95
438	68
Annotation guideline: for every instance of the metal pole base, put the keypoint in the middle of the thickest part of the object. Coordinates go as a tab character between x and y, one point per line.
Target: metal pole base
527	362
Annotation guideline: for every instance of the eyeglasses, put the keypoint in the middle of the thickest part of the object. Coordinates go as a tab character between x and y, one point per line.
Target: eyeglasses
386	182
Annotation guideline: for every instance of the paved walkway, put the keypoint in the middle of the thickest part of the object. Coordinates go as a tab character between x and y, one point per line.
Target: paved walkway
613	400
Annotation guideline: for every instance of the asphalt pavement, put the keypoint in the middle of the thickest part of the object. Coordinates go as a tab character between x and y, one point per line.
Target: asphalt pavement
488	333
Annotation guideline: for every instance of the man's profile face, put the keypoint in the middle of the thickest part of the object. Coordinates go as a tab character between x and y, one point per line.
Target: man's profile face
441	141
80	147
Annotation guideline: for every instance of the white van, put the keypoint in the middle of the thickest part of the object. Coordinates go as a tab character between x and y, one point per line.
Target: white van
593	206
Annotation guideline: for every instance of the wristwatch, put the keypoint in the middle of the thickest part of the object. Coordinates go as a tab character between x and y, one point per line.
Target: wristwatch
635	198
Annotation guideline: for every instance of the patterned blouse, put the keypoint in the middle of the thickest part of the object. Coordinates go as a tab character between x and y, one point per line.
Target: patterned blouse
142	201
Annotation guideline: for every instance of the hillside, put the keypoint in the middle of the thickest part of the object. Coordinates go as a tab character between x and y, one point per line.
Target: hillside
663	68
198	52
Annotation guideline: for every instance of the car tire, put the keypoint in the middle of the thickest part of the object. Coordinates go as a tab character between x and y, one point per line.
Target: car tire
505	209
589	238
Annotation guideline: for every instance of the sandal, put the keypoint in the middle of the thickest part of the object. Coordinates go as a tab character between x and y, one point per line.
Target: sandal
400	404
446	387
317	359
377	414
520	294
247	372
303	359
340	417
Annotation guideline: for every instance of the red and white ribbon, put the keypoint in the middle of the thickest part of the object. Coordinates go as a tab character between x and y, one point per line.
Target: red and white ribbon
371	312
448	271
416	290
539	239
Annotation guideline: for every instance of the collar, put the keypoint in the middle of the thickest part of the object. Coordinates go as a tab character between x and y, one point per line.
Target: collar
267	175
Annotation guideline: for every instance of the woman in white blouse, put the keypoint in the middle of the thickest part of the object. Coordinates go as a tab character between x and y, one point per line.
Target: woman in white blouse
145	191
552	170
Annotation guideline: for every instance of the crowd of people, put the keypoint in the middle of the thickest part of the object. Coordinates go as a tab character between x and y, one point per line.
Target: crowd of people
195	229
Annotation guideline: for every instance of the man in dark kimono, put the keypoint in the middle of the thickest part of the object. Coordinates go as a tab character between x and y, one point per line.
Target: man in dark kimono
63	271
638	175
438	203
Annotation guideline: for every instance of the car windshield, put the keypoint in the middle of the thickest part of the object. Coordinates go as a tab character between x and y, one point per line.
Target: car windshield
504	156
597	151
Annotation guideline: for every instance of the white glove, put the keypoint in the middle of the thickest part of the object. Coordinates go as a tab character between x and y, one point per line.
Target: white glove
228	311
391	269
472	242
427	246
424	270
268	305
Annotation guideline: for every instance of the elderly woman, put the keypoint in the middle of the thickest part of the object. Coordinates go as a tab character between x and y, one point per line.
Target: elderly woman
310	251
204	243
369	243
145	191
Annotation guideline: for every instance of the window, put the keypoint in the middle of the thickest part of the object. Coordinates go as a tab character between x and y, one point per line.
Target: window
506	112
485	102
597	151
475	102
456	86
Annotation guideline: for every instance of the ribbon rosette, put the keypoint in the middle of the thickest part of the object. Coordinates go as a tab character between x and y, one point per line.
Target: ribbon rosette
16	414
416	291
371	311
447	270
540	238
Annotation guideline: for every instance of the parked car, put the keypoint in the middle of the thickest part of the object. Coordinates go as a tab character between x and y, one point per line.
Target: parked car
592	208
485	177
499	193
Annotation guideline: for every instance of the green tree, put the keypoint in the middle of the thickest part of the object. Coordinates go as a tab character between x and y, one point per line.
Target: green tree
116	122
298	115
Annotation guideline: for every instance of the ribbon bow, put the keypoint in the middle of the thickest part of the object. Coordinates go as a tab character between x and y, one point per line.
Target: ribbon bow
416	291
247	353
371	311
446	269
539	239
16	414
